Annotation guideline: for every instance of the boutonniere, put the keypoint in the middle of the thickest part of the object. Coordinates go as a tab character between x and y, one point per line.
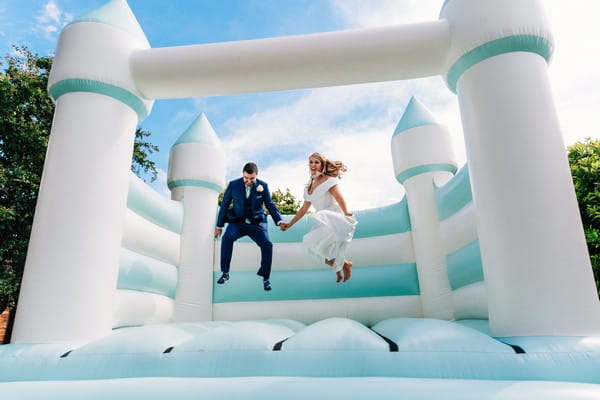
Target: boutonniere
260	188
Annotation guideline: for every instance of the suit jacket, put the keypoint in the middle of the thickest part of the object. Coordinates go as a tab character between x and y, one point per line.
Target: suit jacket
259	197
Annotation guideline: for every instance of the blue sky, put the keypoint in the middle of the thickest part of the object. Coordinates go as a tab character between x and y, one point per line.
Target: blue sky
351	123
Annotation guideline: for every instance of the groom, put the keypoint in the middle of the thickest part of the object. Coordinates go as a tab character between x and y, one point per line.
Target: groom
247	218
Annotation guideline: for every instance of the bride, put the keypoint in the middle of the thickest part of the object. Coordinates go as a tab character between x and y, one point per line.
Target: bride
333	225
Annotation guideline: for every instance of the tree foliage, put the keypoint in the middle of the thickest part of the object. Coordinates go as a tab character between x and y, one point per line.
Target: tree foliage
584	159
25	118
285	202
142	148
26	113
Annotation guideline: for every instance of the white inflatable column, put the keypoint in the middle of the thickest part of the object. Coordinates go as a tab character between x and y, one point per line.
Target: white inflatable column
73	257
535	260
196	177
422	155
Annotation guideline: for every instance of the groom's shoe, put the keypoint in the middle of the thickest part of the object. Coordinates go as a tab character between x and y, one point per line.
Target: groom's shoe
267	285
224	278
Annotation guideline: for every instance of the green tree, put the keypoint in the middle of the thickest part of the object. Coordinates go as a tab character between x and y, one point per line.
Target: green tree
285	202
584	159
142	148
25	119
26	113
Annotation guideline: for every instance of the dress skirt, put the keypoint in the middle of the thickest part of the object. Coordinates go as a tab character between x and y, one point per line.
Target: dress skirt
329	236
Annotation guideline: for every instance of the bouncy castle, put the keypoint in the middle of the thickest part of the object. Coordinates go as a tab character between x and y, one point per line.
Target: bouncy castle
476	285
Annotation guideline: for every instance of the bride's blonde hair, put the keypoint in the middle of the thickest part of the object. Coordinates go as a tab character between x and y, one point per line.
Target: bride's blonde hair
330	168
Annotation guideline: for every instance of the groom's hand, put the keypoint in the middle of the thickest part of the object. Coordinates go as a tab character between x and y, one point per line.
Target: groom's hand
218	232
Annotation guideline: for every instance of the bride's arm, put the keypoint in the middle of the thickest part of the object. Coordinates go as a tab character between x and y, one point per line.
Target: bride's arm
337	195
299	214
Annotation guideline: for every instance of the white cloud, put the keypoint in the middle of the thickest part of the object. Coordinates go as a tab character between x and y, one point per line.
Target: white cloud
48	30
369	180
51	12
51	19
350	123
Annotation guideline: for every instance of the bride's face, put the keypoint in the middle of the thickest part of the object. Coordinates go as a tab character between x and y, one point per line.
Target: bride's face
314	166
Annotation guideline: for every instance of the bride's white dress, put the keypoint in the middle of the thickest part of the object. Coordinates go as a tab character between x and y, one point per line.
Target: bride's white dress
332	230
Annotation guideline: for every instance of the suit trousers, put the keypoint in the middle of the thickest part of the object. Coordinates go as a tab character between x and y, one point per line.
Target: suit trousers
259	234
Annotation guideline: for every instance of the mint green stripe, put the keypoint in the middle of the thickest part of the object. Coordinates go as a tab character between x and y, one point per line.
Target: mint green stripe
528	43
195	182
442	9
415	115
152	207
91	86
146	274
383	280
455	194
464	266
422	169
386	220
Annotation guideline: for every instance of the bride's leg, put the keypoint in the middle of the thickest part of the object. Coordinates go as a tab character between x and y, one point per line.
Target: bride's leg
337	273
347	268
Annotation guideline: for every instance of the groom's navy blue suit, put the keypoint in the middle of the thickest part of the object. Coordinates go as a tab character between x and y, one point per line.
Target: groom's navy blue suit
247	217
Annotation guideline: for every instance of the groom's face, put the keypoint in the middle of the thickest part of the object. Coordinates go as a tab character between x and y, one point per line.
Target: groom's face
249	179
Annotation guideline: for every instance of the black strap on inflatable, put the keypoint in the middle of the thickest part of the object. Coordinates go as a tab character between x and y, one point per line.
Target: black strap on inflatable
278	345
66	354
391	343
168	349
517	349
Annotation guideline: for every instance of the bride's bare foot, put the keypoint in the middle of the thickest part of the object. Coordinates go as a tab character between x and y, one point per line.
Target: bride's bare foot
338	276
347	268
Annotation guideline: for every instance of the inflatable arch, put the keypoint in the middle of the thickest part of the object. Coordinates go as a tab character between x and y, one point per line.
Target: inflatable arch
476	285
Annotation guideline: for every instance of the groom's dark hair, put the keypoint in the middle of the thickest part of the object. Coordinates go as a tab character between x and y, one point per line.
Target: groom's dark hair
250	168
